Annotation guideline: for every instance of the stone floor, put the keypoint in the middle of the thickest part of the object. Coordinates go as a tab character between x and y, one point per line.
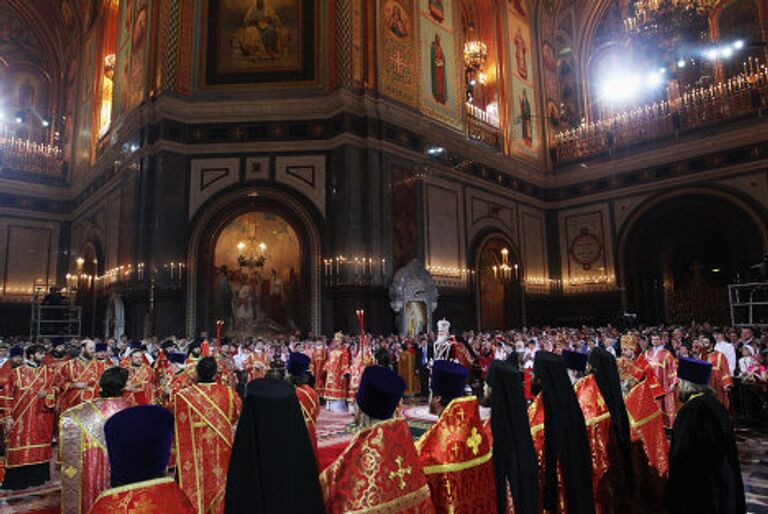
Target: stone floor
753	453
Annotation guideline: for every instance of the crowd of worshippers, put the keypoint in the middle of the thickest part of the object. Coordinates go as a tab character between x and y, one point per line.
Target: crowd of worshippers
536	420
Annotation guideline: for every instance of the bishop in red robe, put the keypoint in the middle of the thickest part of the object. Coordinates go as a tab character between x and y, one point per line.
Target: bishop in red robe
336	369
140	377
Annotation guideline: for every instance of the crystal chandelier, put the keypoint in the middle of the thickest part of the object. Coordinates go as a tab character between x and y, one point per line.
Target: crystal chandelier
505	272
666	19
475	54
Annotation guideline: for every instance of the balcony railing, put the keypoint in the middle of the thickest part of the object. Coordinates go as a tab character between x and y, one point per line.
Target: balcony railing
739	96
30	157
482	126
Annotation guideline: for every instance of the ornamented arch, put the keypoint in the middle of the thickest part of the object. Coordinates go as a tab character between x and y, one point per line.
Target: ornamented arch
218	212
494	230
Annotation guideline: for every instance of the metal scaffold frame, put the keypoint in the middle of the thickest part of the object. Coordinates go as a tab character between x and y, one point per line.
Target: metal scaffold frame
49	321
749	304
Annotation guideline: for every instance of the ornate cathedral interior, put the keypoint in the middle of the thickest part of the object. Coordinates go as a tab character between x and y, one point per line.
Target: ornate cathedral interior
272	172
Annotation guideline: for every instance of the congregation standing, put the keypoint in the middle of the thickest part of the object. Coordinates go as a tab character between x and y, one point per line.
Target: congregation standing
578	421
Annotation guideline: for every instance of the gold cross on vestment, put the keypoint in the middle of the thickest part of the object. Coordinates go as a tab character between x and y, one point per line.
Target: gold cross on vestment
461	416
474	441
400	473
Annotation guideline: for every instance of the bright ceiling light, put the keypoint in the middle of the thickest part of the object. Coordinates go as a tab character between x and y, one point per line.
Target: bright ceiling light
620	89
711	54
726	52
655	80
738	45
681	63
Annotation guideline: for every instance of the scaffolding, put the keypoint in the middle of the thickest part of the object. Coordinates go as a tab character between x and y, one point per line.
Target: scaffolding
749	304
58	316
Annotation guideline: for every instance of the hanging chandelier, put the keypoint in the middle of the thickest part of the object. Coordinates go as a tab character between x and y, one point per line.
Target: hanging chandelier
475	54
661	20
255	257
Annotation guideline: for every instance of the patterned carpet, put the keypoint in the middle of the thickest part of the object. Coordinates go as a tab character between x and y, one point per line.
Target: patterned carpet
333	435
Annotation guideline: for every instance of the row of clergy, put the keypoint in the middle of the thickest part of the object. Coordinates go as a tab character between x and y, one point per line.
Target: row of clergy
579	449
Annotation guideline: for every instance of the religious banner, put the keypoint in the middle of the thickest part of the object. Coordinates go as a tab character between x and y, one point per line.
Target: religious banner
398	59
249	41
586	250
440	79
524	131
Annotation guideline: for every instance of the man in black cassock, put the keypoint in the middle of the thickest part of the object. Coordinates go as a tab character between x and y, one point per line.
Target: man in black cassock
704	471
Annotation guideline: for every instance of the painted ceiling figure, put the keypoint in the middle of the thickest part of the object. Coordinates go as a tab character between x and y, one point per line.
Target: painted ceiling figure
437	10
437	67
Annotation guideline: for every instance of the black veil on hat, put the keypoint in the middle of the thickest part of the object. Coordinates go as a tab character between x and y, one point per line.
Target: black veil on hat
514	457
607	377
272	469
565	437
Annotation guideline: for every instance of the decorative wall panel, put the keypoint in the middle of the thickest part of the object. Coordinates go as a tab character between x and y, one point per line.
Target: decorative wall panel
534	244
306	174
586	248
210	176
29	254
398	56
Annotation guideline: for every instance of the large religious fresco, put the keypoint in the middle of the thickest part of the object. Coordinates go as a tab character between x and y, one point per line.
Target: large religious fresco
440	91
260	41
257	285
398	59
131	72
524	136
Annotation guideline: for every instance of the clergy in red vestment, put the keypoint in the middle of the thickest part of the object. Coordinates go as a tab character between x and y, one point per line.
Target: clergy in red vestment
630	364
29	400
665	368
336	371
272	469
139	444
455	453
84	462
560	439
379	471
173	380
58	355
602	443
362	360
256	364
78	379
649	445
296	368
720	379
140	376
514	457
205	415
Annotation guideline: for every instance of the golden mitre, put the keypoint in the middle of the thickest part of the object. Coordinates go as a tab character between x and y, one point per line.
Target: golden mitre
628	341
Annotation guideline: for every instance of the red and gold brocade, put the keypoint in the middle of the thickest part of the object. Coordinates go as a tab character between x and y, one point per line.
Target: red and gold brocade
599	432
647	426
336	367
205	414
170	385
87	372
158	496
378	472
650	448
310	410
536	421
455	455
462	355
640	370
720	379
362	360
664	367
140	377
84	461
55	363
318	365
225	370
406	368
29	397
256	365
